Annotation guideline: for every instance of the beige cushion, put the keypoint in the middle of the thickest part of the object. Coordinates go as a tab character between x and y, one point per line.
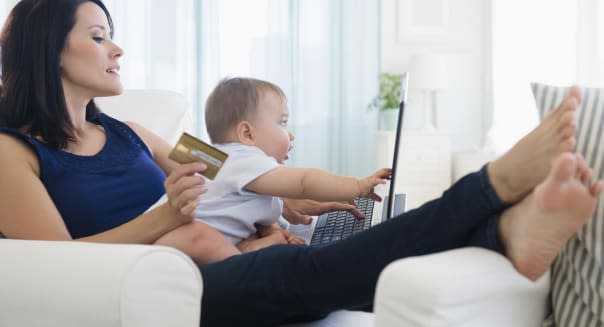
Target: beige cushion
166	113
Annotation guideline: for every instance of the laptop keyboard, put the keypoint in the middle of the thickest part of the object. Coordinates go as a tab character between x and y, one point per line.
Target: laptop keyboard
338	225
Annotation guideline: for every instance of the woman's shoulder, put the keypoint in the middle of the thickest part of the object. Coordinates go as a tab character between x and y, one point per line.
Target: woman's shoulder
136	127
13	139
127	129
20	149
152	141
155	146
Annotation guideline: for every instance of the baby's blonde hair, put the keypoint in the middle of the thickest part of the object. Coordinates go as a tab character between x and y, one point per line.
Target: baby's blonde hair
232	101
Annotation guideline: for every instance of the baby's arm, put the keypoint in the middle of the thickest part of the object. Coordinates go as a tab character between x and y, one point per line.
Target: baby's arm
316	184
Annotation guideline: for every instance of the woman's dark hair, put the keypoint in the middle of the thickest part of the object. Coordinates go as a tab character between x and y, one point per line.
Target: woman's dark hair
32	40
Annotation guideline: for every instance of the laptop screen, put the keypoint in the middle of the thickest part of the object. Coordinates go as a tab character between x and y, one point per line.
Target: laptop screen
397	140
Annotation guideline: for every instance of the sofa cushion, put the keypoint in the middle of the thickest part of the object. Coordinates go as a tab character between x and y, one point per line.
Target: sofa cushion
73	284
577	288
469	287
166	113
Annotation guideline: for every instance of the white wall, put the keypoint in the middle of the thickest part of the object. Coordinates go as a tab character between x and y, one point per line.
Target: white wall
465	108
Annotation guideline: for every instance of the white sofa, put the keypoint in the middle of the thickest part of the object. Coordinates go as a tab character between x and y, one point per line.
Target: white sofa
69	284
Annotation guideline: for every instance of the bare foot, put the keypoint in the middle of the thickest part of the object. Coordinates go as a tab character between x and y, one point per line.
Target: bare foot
518	171
254	243
533	230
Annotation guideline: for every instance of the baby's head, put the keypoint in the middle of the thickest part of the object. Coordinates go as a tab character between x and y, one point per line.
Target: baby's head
251	112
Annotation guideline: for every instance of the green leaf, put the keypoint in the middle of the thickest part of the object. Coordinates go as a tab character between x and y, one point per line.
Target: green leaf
387	98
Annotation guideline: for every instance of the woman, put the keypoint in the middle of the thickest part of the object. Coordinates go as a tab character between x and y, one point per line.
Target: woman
74	173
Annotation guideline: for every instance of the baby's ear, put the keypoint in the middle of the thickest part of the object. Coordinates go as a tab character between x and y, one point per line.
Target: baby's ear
245	133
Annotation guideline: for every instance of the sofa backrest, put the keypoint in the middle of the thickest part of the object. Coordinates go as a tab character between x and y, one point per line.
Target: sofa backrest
166	113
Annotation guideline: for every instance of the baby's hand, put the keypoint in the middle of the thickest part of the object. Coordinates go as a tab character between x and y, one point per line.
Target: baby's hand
292	239
366	185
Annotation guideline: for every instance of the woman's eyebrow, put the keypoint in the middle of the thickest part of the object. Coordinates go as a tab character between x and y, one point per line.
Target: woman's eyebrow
97	26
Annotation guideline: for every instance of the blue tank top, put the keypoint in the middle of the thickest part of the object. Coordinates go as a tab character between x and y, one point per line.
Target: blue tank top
99	192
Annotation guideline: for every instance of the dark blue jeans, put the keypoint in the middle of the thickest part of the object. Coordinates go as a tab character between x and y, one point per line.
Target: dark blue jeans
285	283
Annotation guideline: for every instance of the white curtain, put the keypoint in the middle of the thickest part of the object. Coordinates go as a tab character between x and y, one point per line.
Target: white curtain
532	41
158	38
590	42
324	54
5	7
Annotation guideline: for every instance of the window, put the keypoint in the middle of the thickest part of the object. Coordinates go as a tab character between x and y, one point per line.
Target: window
532	41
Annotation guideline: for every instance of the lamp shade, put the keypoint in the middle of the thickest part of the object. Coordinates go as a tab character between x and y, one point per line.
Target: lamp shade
428	72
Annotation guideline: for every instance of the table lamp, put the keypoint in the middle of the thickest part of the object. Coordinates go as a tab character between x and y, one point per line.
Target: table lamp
428	73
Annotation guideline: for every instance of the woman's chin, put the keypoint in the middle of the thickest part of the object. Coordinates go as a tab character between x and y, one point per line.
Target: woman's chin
110	92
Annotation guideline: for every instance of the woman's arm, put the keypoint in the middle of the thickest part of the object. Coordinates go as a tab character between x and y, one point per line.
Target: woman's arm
316	184
27	211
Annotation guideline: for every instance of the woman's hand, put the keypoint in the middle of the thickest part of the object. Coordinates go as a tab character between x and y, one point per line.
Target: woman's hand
184	188
300	211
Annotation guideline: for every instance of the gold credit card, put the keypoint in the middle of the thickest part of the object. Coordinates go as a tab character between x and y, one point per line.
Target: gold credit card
191	149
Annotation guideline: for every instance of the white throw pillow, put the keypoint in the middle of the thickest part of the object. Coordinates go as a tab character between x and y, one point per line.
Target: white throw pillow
578	272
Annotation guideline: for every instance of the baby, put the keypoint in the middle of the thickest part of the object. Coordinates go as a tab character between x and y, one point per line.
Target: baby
247	118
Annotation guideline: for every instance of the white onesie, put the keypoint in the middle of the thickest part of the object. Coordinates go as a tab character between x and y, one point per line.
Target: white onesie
227	206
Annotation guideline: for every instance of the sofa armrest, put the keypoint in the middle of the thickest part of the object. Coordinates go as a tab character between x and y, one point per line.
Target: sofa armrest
69	284
464	287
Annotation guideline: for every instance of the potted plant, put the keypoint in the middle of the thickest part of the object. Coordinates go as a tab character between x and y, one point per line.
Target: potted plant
387	100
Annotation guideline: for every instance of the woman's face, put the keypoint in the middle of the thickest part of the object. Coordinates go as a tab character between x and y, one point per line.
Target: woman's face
89	61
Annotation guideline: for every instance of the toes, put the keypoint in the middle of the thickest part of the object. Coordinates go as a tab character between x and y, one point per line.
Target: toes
582	168
568	131
564	167
596	188
584	173
567	145
586	176
567	119
569	104
575	92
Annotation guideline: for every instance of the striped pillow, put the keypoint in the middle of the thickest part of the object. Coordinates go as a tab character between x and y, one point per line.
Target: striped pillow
578	271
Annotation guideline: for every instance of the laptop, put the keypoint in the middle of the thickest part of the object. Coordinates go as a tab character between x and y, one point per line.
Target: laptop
337	225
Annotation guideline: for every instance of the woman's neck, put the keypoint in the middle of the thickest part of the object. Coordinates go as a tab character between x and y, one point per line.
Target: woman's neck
76	106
